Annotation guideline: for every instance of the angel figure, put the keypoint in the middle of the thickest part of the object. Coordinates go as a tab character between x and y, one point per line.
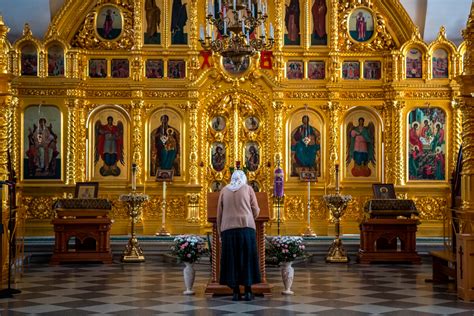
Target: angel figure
109	146
360	148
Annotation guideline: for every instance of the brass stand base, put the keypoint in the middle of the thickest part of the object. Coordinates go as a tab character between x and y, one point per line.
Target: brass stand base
163	232
336	253
309	232
133	252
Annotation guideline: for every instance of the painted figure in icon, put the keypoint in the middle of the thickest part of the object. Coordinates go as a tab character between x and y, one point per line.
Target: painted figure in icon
361	26
305	147
153	18
252	158
108	24
42	151
166	147
109	146
218	158
292	20
179	18
361	147
319	10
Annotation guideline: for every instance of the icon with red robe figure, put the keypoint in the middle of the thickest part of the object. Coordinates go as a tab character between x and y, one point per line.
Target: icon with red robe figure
109	147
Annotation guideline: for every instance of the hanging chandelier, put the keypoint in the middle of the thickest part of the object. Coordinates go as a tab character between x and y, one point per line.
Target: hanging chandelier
236	29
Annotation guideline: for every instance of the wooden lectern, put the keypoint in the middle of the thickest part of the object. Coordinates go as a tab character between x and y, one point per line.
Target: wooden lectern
213	287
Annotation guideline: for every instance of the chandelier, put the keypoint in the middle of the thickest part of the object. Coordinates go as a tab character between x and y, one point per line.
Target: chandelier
236	29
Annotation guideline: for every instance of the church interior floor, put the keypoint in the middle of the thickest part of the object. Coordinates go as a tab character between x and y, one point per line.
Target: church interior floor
155	288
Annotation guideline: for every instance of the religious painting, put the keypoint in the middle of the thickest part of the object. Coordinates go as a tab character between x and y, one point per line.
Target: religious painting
98	68
236	67
414	63
29	60
164	175
361	25
361	146
319	35
179	22
372	70
176	69
316	70
351	70
55	60
294	69
109	22
427	144
165	141
109	144
154	68
255	185
252	123
440	64
86	190
42	143
120	68
292	22
218	158
384	191
252	156
305	142
152	22
218	123
217	186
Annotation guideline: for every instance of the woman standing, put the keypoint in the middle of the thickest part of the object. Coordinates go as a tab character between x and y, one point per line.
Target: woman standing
236	213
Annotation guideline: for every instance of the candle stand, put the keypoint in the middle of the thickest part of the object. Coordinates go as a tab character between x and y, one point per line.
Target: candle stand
337	205
133	251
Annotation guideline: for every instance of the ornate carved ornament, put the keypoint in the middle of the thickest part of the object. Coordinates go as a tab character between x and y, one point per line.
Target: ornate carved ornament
88	38
442	42
360	95
108	93
306	94
380	39
429	94
166	94
42	92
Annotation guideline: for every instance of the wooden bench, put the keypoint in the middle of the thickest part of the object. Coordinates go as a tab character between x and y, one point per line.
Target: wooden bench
444	266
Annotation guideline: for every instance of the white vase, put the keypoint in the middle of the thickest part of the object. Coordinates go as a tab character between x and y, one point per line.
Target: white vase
287	274
189	273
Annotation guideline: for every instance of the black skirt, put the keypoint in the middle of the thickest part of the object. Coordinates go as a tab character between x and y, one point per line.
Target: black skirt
239	257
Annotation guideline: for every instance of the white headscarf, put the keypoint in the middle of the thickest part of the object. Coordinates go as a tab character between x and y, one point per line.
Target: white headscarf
237	181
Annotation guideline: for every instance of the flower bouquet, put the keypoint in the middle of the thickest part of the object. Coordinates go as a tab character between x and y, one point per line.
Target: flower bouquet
188	248
286	248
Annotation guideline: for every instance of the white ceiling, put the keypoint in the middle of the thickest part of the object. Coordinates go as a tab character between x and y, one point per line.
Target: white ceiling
429	15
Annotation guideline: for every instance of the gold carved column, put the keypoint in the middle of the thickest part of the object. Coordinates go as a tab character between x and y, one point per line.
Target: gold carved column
389	155
138	137
397	132
192	108
465	240
71	158
335	113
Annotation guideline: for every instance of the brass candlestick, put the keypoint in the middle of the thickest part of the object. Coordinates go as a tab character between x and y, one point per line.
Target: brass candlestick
133	252
337	205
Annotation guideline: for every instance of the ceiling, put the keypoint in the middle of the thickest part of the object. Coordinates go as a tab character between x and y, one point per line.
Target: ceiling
429	15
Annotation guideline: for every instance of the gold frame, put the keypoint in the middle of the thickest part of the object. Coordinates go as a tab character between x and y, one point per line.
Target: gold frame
374	19
23	149
96	17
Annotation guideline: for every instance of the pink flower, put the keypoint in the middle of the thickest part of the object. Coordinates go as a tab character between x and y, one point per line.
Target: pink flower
188	255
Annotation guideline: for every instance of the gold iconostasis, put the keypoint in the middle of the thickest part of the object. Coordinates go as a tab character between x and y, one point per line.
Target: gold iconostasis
119	82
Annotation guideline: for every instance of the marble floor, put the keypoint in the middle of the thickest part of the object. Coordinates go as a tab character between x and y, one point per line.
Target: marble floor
155	288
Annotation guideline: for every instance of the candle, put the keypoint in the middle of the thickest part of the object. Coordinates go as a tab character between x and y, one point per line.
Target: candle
271	31
249	5
220	6
201	33
134	177
248	38
164	191
235	5
262	27
243	27
225	25
337	178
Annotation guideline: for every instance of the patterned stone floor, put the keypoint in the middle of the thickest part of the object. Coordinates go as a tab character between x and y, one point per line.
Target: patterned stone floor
155	288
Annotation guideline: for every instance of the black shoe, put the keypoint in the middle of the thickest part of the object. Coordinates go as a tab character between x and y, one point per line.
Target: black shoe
248	296
236	297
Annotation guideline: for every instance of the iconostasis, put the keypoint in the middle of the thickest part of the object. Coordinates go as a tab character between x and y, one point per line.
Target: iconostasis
119	82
